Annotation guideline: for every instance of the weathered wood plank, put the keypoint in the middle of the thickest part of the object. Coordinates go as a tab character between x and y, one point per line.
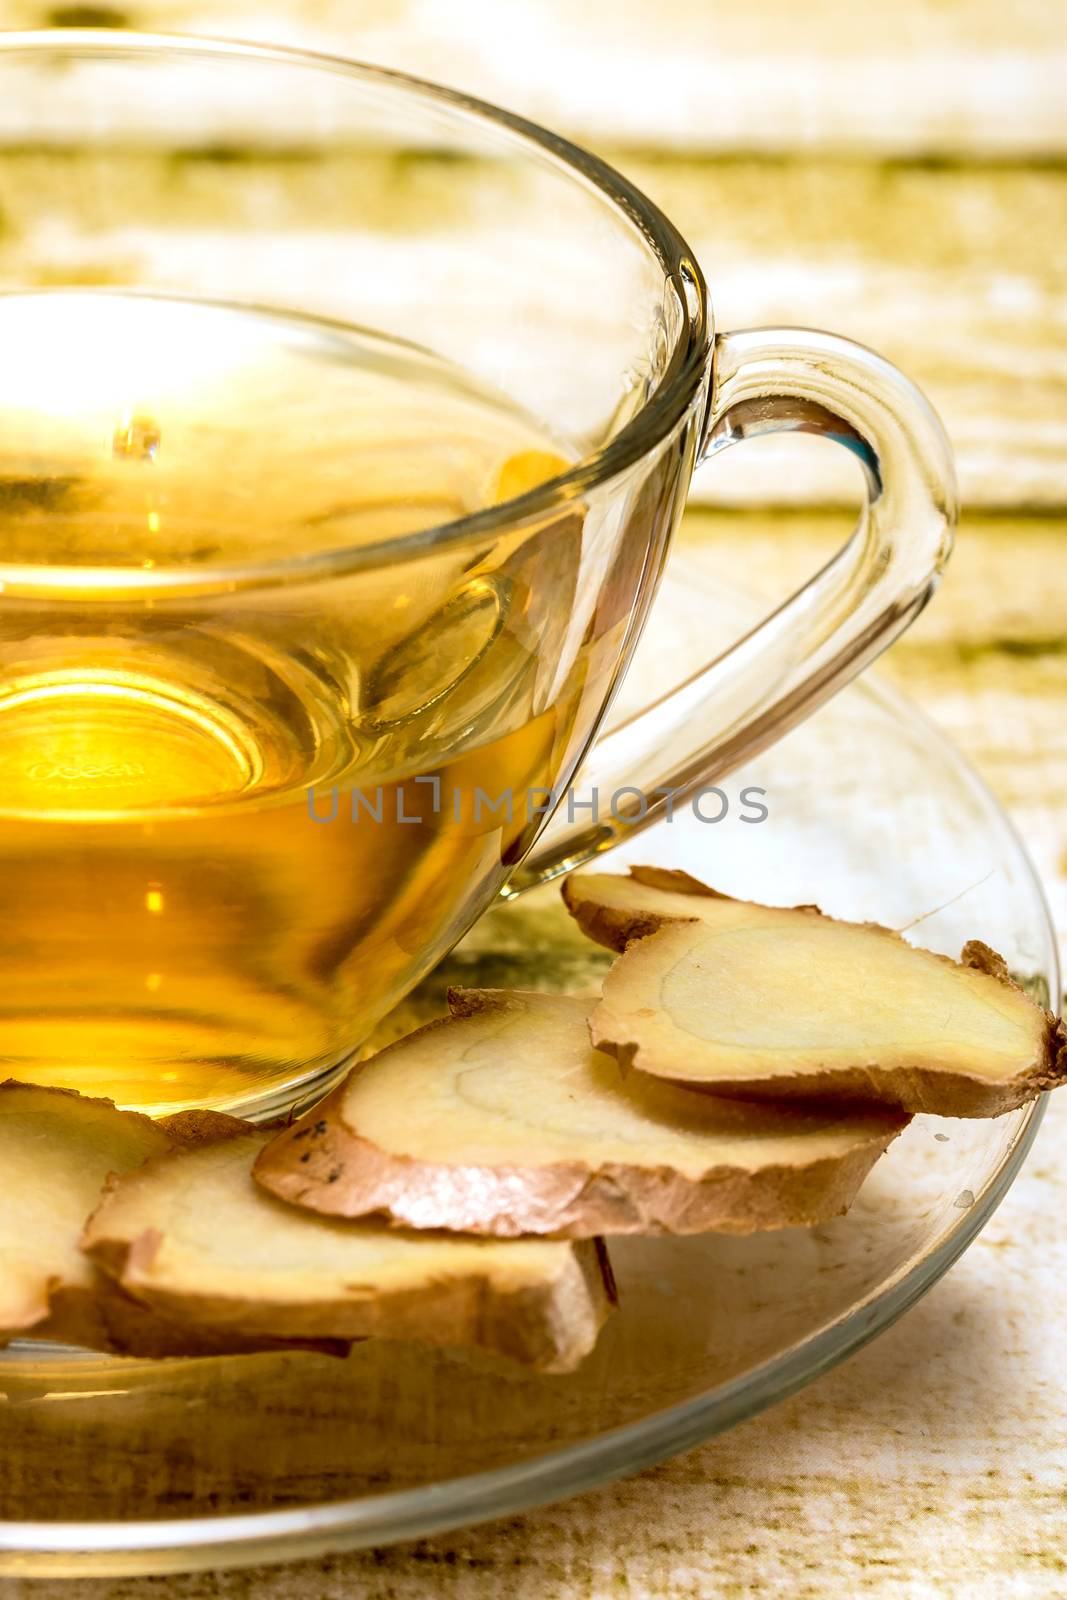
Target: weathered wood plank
1004	591
958	275
970	76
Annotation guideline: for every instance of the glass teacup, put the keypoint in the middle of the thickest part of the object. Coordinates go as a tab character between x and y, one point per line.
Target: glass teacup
335	491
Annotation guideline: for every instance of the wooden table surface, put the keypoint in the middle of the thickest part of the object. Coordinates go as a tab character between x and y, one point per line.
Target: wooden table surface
902	179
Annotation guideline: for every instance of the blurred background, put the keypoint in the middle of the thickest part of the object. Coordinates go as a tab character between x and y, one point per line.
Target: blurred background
895	173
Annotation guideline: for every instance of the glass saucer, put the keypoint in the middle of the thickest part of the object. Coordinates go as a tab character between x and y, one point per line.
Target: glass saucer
113	1467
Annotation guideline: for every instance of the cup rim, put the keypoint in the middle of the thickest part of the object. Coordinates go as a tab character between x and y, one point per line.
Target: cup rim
652	423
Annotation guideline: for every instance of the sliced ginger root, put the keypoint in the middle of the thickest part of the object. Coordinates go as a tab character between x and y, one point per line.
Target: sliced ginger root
57	1149
760	1002
504	1121
191	1237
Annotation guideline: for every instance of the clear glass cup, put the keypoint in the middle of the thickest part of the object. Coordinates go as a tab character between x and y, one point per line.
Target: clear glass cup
306	635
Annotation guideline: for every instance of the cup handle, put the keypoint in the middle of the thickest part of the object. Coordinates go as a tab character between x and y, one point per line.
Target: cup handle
781	380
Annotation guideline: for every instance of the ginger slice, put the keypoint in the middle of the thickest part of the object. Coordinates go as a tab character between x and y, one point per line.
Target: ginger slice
762	1002
614	910
56	1151
194	1239
105	1318
504	1121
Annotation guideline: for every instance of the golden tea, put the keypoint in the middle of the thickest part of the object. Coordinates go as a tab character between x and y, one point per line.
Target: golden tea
244	804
